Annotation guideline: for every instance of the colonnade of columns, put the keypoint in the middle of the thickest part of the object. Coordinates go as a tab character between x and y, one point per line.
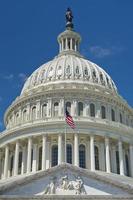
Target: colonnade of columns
30	158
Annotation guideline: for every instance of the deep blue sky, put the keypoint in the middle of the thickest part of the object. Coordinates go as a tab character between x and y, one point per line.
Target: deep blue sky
28	32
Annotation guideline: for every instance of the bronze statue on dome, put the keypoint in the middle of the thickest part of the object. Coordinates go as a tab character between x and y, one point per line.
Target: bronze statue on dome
69	17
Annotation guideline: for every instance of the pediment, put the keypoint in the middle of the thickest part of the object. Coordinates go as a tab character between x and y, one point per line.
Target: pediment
64	180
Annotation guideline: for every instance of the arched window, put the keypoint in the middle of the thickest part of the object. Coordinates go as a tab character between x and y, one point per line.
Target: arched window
80	109
24	115
33	113
92	110
44	110
20	162
56	109
117	162
96	158
68	43
40	159
68	106
103	112
82	156
69	153
121	118
112	115
54	156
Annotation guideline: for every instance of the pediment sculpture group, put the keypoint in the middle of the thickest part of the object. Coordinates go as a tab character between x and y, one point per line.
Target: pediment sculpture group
65	184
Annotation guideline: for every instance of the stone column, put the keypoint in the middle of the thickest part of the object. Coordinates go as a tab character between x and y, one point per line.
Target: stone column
113	160
121	158
38	108
61	107
29	155
59	149
6	161
44	141
131	159
49	107
16	159
92	153
98	110
34	162
107	153
76	150
24	156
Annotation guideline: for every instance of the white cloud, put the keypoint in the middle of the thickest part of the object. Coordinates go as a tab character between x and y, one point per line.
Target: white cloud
8	77
22	76
101	52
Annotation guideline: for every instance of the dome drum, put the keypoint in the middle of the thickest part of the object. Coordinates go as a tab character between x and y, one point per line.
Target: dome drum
37	136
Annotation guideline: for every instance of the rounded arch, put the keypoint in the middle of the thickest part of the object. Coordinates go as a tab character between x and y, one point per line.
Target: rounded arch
82	156
80	109
54	155
92	110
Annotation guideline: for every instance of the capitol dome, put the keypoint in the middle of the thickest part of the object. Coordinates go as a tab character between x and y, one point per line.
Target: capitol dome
70	124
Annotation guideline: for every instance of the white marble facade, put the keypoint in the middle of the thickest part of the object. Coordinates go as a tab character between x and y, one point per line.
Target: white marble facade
37	137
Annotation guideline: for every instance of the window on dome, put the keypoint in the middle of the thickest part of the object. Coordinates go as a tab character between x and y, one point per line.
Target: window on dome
54	156
69	153
44	110
82	156
33	113
77	70
68	106
64	44
31	158
56	109
92	110
127	164
121	121
86	71
103	112
112	115
11	165
59	68
96	158
20	162
51	69
40	159
117	162
17	118
68	43
80	109
24	115
68	69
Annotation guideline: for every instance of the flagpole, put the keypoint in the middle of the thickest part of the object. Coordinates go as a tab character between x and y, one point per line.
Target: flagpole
65	142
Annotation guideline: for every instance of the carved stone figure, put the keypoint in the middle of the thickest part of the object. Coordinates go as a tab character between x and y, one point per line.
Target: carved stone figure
50	189
64	182
79	186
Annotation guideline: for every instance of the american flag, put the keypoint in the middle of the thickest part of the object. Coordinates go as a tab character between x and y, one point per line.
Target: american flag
69	119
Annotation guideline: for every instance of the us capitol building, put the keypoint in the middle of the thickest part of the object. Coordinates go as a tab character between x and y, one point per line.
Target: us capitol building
42	157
